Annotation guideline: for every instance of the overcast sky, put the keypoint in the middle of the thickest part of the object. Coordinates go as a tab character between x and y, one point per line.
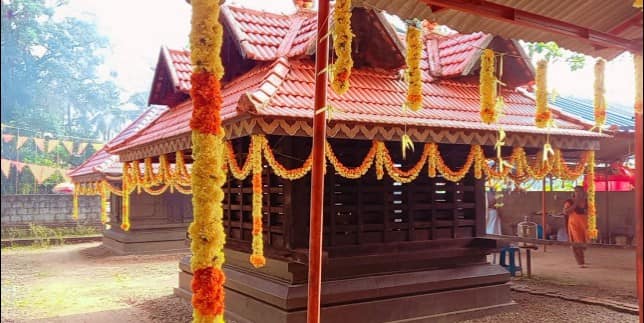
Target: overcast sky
137	29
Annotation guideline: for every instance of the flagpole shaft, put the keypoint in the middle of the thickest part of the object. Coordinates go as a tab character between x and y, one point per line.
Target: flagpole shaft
17	158
317	172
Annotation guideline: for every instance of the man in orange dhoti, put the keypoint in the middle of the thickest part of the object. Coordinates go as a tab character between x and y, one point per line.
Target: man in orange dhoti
577	222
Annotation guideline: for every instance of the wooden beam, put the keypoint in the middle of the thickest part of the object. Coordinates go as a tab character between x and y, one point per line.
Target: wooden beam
621	27
524	18
317	171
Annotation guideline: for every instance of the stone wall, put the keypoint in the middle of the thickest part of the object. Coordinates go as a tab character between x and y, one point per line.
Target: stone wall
49	210
615	212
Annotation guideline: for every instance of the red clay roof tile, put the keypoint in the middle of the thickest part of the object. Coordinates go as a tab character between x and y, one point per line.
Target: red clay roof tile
104	162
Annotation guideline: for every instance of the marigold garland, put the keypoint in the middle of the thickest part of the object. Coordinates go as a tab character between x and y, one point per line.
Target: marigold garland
637	62
104	193
125	197
75	201
599	99
543	116
208	176
592	210
488	88
351	173
638	3
342	38
414	76
280	170
257	257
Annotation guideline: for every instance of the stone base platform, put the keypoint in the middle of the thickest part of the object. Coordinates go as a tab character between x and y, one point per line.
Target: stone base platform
162	239
439	295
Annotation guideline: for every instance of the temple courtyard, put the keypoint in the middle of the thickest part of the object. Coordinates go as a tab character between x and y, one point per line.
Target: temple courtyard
86	283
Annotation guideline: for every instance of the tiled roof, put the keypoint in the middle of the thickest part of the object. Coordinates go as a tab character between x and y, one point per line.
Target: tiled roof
285	90
616	114
264	36
104	162
281	85
182	70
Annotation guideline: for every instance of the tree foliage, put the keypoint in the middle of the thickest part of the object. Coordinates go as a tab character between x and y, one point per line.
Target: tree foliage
551	52
50	79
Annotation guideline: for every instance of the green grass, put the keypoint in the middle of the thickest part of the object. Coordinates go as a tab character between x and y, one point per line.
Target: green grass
45	236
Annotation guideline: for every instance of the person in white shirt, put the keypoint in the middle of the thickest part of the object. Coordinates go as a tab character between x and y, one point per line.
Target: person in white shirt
493	219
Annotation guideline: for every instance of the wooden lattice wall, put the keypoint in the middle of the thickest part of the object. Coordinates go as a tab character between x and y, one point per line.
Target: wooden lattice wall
357	212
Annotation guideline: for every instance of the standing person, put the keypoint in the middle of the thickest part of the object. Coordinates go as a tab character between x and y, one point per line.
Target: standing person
493	219
576	209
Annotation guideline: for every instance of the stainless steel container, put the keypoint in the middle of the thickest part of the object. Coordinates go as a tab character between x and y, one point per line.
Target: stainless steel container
527	229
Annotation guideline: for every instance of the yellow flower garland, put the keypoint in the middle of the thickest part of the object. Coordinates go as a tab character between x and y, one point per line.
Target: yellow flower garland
592	210
637	61
599	98
125	197
543	115
257	257
342	38
414	76
351	173
208	176
104	193
280	170
488	88
75	201
637	3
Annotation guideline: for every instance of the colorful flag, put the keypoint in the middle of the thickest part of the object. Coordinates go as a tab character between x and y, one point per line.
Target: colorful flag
51	145
69	145
7	137
21	141
40	143
41	173
19	166
81	148
6	167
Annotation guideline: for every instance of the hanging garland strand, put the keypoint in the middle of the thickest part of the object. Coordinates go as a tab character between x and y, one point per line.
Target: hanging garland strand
125	203
488	88
257	257
543	116
342	38
637	61
413	73
207	231
599	99
592	210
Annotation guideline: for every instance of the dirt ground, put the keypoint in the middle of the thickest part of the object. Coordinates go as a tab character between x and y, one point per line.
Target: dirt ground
85	283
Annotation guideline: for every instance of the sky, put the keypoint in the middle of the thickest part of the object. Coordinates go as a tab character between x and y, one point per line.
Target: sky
138	28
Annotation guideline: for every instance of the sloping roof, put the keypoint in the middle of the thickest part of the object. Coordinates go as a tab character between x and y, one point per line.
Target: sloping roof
102	162
615	18
616	115
283	88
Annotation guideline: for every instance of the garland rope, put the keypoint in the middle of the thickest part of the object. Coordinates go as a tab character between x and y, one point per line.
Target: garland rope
413	74
208	176
543	116
599	100
342	38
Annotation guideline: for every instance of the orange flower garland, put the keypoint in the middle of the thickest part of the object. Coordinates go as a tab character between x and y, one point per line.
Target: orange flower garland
342	38
543	116
637	62
592	210
414	77
257	257
75	201
280	170
488	88
207	231
599	101
351	173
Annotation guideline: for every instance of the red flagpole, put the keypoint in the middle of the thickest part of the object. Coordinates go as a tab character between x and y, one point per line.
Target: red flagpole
317	173
638	209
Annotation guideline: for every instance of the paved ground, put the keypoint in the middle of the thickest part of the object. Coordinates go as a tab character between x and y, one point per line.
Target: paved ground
85	283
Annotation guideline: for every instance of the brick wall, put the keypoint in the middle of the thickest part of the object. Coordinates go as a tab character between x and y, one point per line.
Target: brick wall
48	209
